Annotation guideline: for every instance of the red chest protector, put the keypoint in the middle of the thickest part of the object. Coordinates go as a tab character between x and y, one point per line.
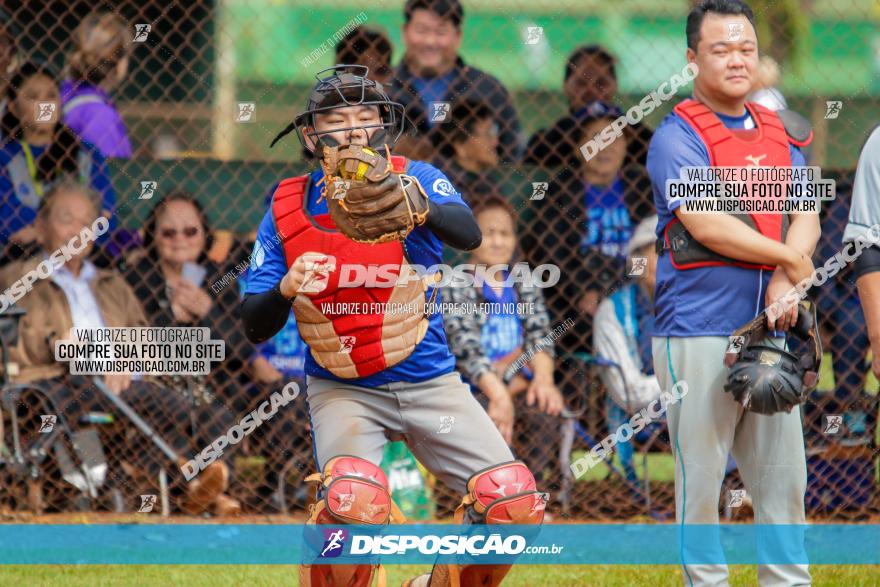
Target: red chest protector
347	329
765	146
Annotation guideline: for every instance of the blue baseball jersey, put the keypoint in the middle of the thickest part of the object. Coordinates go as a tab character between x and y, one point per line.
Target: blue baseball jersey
431	357
707	301
609	226
502	333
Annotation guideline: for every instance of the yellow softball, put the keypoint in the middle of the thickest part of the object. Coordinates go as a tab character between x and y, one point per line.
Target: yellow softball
363	167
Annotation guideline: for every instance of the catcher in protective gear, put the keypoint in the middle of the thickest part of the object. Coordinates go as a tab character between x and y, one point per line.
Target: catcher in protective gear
367	208
765	379
370	203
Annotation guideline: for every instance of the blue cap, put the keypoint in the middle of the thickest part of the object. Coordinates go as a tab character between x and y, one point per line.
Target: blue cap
598	109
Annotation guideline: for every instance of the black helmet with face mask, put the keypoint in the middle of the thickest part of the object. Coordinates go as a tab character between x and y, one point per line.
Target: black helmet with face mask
347	85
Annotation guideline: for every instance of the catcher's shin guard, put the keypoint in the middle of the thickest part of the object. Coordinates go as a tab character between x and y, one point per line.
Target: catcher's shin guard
503	494
355	491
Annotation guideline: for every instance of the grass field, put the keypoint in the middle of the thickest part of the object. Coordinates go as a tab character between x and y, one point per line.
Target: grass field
272	576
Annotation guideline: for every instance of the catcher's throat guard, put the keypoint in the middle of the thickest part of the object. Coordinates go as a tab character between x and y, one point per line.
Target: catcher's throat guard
766	379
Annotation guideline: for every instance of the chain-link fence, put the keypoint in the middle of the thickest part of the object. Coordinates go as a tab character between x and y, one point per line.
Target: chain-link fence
177	103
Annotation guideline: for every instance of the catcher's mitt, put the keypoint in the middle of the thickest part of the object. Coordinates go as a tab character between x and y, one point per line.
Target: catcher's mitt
367	200
765	379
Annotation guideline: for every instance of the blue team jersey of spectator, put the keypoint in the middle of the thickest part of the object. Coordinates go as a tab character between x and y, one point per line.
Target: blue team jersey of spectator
502	333
609	226
707	301
20	199
433	90
431	357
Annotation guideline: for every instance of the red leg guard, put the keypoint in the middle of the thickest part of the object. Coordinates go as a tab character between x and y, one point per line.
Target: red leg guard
355	492
503	494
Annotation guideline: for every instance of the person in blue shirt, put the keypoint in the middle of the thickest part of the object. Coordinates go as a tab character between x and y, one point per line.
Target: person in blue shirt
410	391
495	327
431	71
719	272
38	151
584	223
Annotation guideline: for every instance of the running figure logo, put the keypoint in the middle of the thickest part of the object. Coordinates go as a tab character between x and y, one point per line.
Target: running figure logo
47	423
141	32
247	112
45	111
439	111
346	343
539	190
148	190
639	264
832	109
147	503
737	496
334	543
318	268
833	422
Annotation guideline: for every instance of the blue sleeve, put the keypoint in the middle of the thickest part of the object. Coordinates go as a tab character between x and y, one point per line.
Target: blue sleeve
673	146
268	264
422	245
100	182
436	185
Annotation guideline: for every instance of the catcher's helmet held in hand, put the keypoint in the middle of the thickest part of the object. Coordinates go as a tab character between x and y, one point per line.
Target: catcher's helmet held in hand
347	85
766	379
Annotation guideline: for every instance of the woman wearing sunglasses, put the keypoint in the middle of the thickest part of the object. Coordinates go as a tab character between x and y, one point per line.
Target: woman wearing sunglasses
179	286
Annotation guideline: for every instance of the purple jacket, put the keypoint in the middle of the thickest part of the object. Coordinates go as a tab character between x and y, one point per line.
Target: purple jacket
89	112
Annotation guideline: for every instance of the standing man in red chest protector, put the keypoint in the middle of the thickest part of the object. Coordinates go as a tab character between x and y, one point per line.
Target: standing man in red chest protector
715	273
374	371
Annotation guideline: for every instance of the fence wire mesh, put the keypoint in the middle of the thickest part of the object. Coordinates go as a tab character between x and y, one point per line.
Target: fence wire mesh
177	102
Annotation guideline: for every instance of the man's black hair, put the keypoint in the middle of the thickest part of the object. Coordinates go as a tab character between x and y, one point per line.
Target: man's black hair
361	39
465	114
595	51
450	9
727	7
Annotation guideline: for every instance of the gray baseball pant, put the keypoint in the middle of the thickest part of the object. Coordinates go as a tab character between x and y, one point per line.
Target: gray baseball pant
439	419
706	425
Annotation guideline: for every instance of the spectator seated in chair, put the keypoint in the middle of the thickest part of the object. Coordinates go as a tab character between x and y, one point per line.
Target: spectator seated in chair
37	153
79	295
469	149
506	354
622	335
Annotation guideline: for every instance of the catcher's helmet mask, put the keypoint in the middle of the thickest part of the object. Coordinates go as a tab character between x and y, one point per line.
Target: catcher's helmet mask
767	379
347	85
